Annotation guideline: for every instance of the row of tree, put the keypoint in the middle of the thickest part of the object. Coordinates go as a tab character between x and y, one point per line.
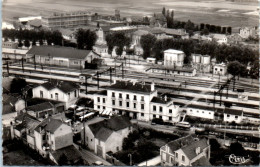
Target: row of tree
86	39
216	29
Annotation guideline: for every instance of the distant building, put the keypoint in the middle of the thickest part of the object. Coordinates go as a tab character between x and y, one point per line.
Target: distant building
66	92
25	20
158	20
220	38
137	101
12	104
220	69
246	32
60	56
173	58
233	115
183	71
67	20
10	45
106	135
151	60
35	24
177	33
234	39
201	62
186	151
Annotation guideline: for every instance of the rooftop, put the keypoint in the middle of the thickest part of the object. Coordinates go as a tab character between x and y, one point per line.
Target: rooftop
59	51
35	23
40	107
161	100
174	51
64	86
203	161
233	111
130	87
70	152
49	125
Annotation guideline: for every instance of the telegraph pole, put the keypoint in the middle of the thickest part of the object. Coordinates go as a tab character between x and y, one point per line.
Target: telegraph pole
98	79
34	62
7	67
110	70
22	65
122	70
86	84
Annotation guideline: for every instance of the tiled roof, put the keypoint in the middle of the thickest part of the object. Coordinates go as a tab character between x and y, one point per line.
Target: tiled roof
203	161
49	124
190	149
102	92
233	111
181	69
58	51
28	122
174	31
179	143
160	100
40	107
114	123
70	152
64	86
140	32
35	23
103	134
7	109
9	99
130	87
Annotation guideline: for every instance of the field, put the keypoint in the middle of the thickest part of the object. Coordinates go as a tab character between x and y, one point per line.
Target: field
207	11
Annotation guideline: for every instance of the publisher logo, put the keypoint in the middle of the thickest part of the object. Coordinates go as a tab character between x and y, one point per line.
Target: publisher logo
238	160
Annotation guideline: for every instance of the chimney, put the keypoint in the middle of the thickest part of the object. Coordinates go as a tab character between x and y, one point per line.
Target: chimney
114	81
152	86
197	150
165	98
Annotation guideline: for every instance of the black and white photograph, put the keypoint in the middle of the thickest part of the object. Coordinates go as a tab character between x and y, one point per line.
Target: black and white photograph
130	83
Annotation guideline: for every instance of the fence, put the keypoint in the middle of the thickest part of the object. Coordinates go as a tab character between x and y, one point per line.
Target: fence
227	126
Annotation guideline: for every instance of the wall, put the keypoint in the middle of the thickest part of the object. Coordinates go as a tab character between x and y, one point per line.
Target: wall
200	113
232	118
63	137
115	140
19	105
179	158
89	138
31	141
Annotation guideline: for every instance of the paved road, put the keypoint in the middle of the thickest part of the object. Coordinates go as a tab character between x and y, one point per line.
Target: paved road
91	157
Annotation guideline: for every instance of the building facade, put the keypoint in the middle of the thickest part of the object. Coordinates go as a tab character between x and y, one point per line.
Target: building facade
220	69
173	58
201	62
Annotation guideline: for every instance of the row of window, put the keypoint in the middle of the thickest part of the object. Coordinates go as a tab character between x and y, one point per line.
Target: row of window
57	95
160	109
127	104
127	96
169	118
201	112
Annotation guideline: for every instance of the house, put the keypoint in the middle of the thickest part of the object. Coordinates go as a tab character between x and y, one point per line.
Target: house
106	135
184	71
60	56
23	129
68	34
35	24
134	100
220	38
158	20
173	58
16	103
186	151
220	69
151	60
51	135
176	33
100	46
231	115
246	32
234	39
62	91
10	45
201	62
200	111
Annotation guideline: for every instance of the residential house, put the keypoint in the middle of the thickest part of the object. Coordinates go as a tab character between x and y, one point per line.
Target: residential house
106	135
246	32
158	20
134	100
186	151
173	58
220	69
68	34
176	33
16	103
220	38
231	115
51	135
10	45
62	91
234	39
151	60
201	62
35	24
200	111
60	56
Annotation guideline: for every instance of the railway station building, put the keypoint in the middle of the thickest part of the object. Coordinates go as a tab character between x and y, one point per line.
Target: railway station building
136	100
60	56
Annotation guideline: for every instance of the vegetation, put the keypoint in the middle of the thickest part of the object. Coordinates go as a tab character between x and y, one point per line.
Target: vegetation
147	42
235	68
86	39
17	85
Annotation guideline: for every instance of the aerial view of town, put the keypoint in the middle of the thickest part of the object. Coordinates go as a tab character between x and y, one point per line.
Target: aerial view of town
130	83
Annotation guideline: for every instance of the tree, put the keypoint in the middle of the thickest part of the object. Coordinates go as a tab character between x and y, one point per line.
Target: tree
20	44
80	37
27	43
237	149
229	30
234	68
17	85
163	11
189	25
172	14
33	43
57	37
120	40
205	31
41	42
202	26
86	39
224	30
214	144
147	42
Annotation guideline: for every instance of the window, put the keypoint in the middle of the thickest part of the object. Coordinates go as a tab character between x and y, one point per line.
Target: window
134	105
154	108
134	97
69	95
41	94
104	107
154	116
216	69
61	61
75	93
197	111
104	100
228	115
170	118
142	98
76	62
47	59
113	102
127	96
220	69
120	95
51	96
161	109
43	137
236	117
203	112
120	103
170	111
183	158
56	96
127	104
190	110
98	107
142	114
98	99
117	148
160	117
113	94
176	155
142	106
